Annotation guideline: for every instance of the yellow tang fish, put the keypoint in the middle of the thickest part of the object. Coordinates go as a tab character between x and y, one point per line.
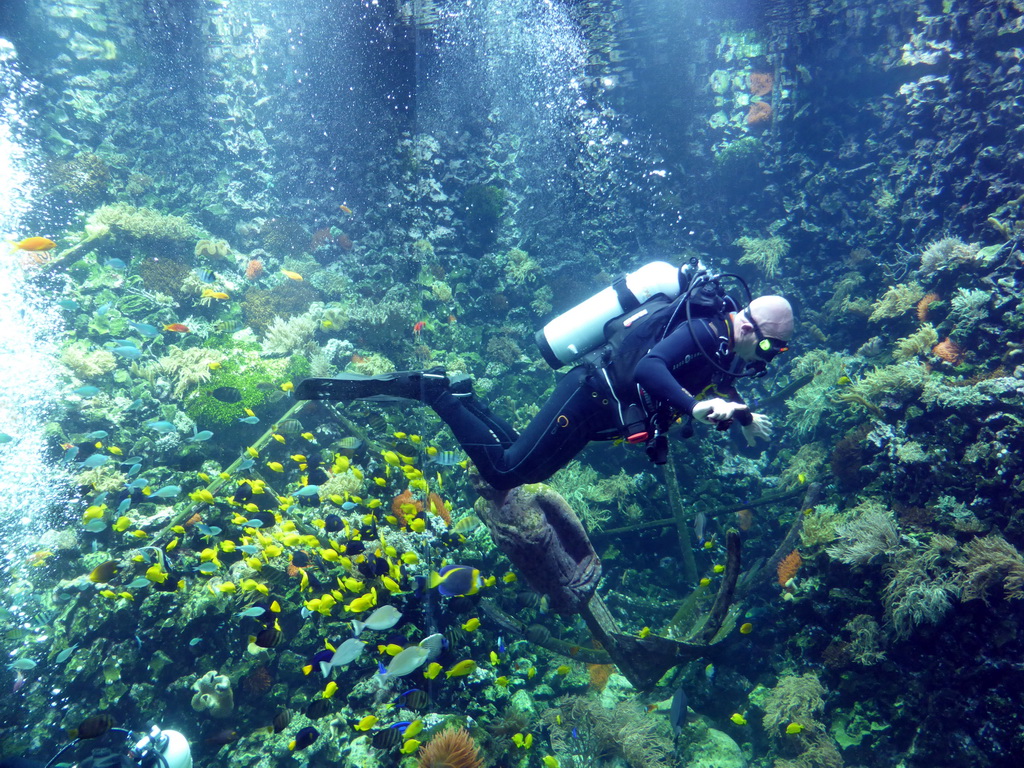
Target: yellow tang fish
291	275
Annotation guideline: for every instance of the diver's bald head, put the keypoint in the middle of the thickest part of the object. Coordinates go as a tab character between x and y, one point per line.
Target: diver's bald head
773	315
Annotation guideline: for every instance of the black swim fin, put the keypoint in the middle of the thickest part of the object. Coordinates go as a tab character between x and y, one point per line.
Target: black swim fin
393	387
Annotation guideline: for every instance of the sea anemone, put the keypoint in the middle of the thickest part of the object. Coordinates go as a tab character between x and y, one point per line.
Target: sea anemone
924	303
950	351
452	748
788	567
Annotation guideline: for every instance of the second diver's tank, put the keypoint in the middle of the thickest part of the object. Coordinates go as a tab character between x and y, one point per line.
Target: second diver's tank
579	330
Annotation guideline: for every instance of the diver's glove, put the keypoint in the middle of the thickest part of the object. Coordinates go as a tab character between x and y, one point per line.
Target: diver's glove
759	426
716	411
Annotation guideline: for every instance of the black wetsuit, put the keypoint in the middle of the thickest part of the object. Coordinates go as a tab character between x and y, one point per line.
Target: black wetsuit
580	408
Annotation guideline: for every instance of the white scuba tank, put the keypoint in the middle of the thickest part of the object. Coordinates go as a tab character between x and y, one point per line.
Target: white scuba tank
581	329
171	744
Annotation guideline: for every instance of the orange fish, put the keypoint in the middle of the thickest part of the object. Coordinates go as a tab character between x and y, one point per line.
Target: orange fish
418	328
176	327
291	275
345	209
209	293
34	244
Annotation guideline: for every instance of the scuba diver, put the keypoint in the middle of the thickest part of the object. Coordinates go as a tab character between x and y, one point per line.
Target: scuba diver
660	344
100	745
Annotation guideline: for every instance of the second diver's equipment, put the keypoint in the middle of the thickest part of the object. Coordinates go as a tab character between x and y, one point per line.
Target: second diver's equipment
114	749
581	329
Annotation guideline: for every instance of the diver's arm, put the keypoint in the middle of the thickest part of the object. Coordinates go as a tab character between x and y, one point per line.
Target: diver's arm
654	372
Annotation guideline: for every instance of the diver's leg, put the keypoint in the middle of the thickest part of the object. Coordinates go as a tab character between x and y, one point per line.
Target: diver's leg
564	425
384	387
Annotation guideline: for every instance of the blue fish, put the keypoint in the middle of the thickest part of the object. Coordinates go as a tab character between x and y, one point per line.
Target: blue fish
139	482
134	469
129	353
116	263
145	329
167	492
501	644
252	524
253	613
102	309
87	391
95	526
250	549
308	490
161	426
96	460
139	583
207	530
349	505
247	464
69	304
456	580
200	437
99	434
403	724
71	453
123	506
5	438
250	419
99	498
207	568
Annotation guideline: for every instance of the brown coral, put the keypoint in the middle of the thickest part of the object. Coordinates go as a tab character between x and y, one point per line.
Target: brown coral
950	351
254	269
599	674
760	112
438	507
788	567
407	514
761	83
925	302
452	748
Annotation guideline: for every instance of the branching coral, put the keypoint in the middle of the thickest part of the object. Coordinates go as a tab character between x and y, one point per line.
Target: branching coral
86	363
896	301
987	563
919	592
917	344
946	252
765	253
283	337
187	368
145	223
872	533
967	309
794	699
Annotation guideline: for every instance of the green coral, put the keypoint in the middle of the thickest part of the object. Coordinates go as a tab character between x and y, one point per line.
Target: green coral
242	371
519	267
765	253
